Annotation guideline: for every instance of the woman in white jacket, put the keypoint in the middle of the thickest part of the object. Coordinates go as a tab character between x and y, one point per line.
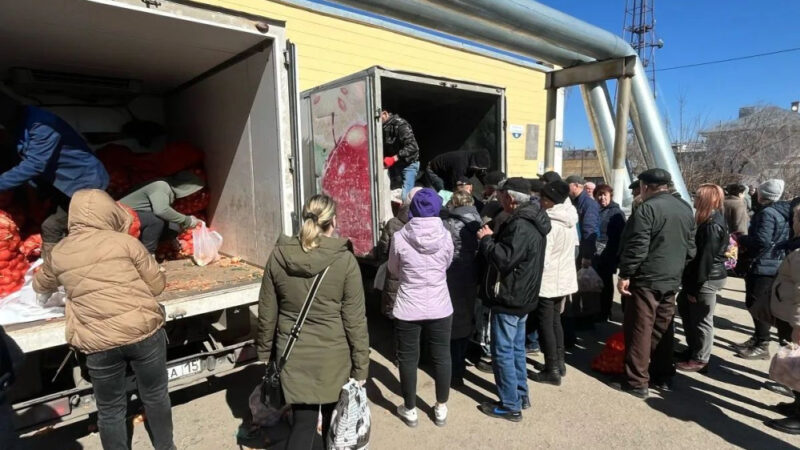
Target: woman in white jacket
559	278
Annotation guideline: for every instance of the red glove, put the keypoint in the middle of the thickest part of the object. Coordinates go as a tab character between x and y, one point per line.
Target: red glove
389	161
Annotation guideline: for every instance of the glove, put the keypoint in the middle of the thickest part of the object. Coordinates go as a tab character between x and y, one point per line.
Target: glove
194	221
389	161
41	299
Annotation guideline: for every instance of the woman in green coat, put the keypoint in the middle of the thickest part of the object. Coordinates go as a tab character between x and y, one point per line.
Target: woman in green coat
333	345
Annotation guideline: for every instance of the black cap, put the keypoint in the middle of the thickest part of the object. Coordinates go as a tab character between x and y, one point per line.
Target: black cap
536	184
517	184
557	191
463	181
634	184
575	179
550	176
655	176
494	178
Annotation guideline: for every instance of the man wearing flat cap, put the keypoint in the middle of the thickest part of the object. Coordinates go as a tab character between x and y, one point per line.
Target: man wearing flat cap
515	256
588	218
657	243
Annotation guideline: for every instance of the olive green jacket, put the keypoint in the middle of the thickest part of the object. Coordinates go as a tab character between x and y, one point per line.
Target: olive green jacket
334	343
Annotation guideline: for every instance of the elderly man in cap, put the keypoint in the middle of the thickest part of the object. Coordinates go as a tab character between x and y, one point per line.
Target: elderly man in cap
515	256
657	243
588	218
153	203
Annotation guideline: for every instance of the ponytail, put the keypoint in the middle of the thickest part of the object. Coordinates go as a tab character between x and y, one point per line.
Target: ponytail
318	214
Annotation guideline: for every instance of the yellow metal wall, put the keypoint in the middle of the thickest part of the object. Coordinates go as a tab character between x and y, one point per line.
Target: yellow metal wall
330	48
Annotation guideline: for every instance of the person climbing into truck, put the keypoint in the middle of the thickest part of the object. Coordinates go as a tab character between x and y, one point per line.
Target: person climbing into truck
153	203
400	151
444	170
53	156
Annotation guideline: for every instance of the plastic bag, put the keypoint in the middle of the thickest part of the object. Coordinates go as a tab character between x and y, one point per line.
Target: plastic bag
206	245
785	367
589	280
380	277
350	422
22	306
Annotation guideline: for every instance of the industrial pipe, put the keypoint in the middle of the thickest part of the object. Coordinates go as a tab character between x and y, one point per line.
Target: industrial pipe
550	130
619	169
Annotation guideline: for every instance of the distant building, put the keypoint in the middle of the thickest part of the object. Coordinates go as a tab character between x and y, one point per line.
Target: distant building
583	162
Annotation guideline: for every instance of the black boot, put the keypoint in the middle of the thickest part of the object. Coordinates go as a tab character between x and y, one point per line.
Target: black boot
548	376
562	366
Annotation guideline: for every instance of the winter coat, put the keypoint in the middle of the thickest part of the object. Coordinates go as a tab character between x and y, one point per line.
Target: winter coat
515	257
711	240
785	302
657	242
392	283
462	276
110	278
589	223
612	222
769	229
451	166
736	215
53	153
420	254
559	277
398	139
157	197
333	345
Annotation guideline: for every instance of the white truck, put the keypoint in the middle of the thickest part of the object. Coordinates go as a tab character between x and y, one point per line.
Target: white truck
226	83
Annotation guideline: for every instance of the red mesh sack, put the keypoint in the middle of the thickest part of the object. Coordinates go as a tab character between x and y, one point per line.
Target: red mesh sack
612	358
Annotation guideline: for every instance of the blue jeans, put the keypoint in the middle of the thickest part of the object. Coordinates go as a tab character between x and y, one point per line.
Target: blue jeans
508	359
409	174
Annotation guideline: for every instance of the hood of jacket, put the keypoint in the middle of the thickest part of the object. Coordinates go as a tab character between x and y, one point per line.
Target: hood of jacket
564	213
784	209
297	262
93	209
465	213
533	213
425	234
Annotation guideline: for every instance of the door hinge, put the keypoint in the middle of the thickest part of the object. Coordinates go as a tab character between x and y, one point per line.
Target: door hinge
152	3
287	58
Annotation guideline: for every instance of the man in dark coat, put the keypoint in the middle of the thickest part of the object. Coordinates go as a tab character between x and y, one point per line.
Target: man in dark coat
657	242
447	168
53	155
515	256
588	218
400	151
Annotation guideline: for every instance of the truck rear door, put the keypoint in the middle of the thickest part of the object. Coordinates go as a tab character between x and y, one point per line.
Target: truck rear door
338	135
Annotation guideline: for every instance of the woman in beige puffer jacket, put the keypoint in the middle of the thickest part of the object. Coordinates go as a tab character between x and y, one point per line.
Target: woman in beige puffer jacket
112	315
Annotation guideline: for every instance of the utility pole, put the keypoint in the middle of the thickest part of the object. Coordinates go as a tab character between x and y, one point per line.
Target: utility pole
639	29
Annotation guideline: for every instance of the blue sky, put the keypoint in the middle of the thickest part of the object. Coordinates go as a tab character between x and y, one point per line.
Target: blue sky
702	31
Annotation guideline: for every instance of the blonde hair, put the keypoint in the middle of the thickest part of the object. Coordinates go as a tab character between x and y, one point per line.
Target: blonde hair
461	198
318	214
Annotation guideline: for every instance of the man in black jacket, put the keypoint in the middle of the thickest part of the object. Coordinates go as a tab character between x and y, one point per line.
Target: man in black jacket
445	169
515	256
400	151
657	242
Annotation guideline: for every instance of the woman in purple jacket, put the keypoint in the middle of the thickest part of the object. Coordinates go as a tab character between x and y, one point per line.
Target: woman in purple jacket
419	257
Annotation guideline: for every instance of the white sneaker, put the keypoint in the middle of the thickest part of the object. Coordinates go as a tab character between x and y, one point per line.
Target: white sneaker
408	416
440	414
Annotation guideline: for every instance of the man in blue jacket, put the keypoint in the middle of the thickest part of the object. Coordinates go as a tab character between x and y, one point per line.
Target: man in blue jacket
52	154
588	218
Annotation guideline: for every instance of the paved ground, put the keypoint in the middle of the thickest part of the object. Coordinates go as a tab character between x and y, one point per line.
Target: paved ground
723	409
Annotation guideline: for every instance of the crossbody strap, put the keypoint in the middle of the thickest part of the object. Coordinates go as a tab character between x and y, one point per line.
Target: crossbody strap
301	318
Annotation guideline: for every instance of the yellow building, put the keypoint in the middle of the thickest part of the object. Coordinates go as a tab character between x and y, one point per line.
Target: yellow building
333	43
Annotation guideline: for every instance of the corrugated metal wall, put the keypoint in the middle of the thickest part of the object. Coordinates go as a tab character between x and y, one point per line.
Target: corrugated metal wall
329	48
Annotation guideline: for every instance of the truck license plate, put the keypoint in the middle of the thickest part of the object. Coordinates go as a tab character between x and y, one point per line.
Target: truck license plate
181	370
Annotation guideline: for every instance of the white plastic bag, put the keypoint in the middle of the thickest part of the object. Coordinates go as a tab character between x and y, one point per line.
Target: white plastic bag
785	367
350	422
206	245
22	306
380	277
589	281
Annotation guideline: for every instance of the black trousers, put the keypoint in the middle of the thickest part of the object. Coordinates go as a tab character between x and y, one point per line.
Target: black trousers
107	369
407	336
304	434
649	332
551	333
458	358
152	229
607	295
758	288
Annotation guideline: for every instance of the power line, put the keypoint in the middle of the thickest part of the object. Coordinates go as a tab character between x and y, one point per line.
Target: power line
738	58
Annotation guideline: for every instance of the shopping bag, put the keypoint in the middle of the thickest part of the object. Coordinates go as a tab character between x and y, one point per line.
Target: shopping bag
612	358
380	277
263	414
785	367
206	245
589	280
350	422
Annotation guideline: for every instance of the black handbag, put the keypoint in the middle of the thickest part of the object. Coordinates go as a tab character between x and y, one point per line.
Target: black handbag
271	390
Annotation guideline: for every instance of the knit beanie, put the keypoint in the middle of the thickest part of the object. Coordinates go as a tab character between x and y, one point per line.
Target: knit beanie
771	190
426	203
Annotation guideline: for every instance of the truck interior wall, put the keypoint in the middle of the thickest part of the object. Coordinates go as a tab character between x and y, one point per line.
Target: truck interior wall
232	116
445	119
